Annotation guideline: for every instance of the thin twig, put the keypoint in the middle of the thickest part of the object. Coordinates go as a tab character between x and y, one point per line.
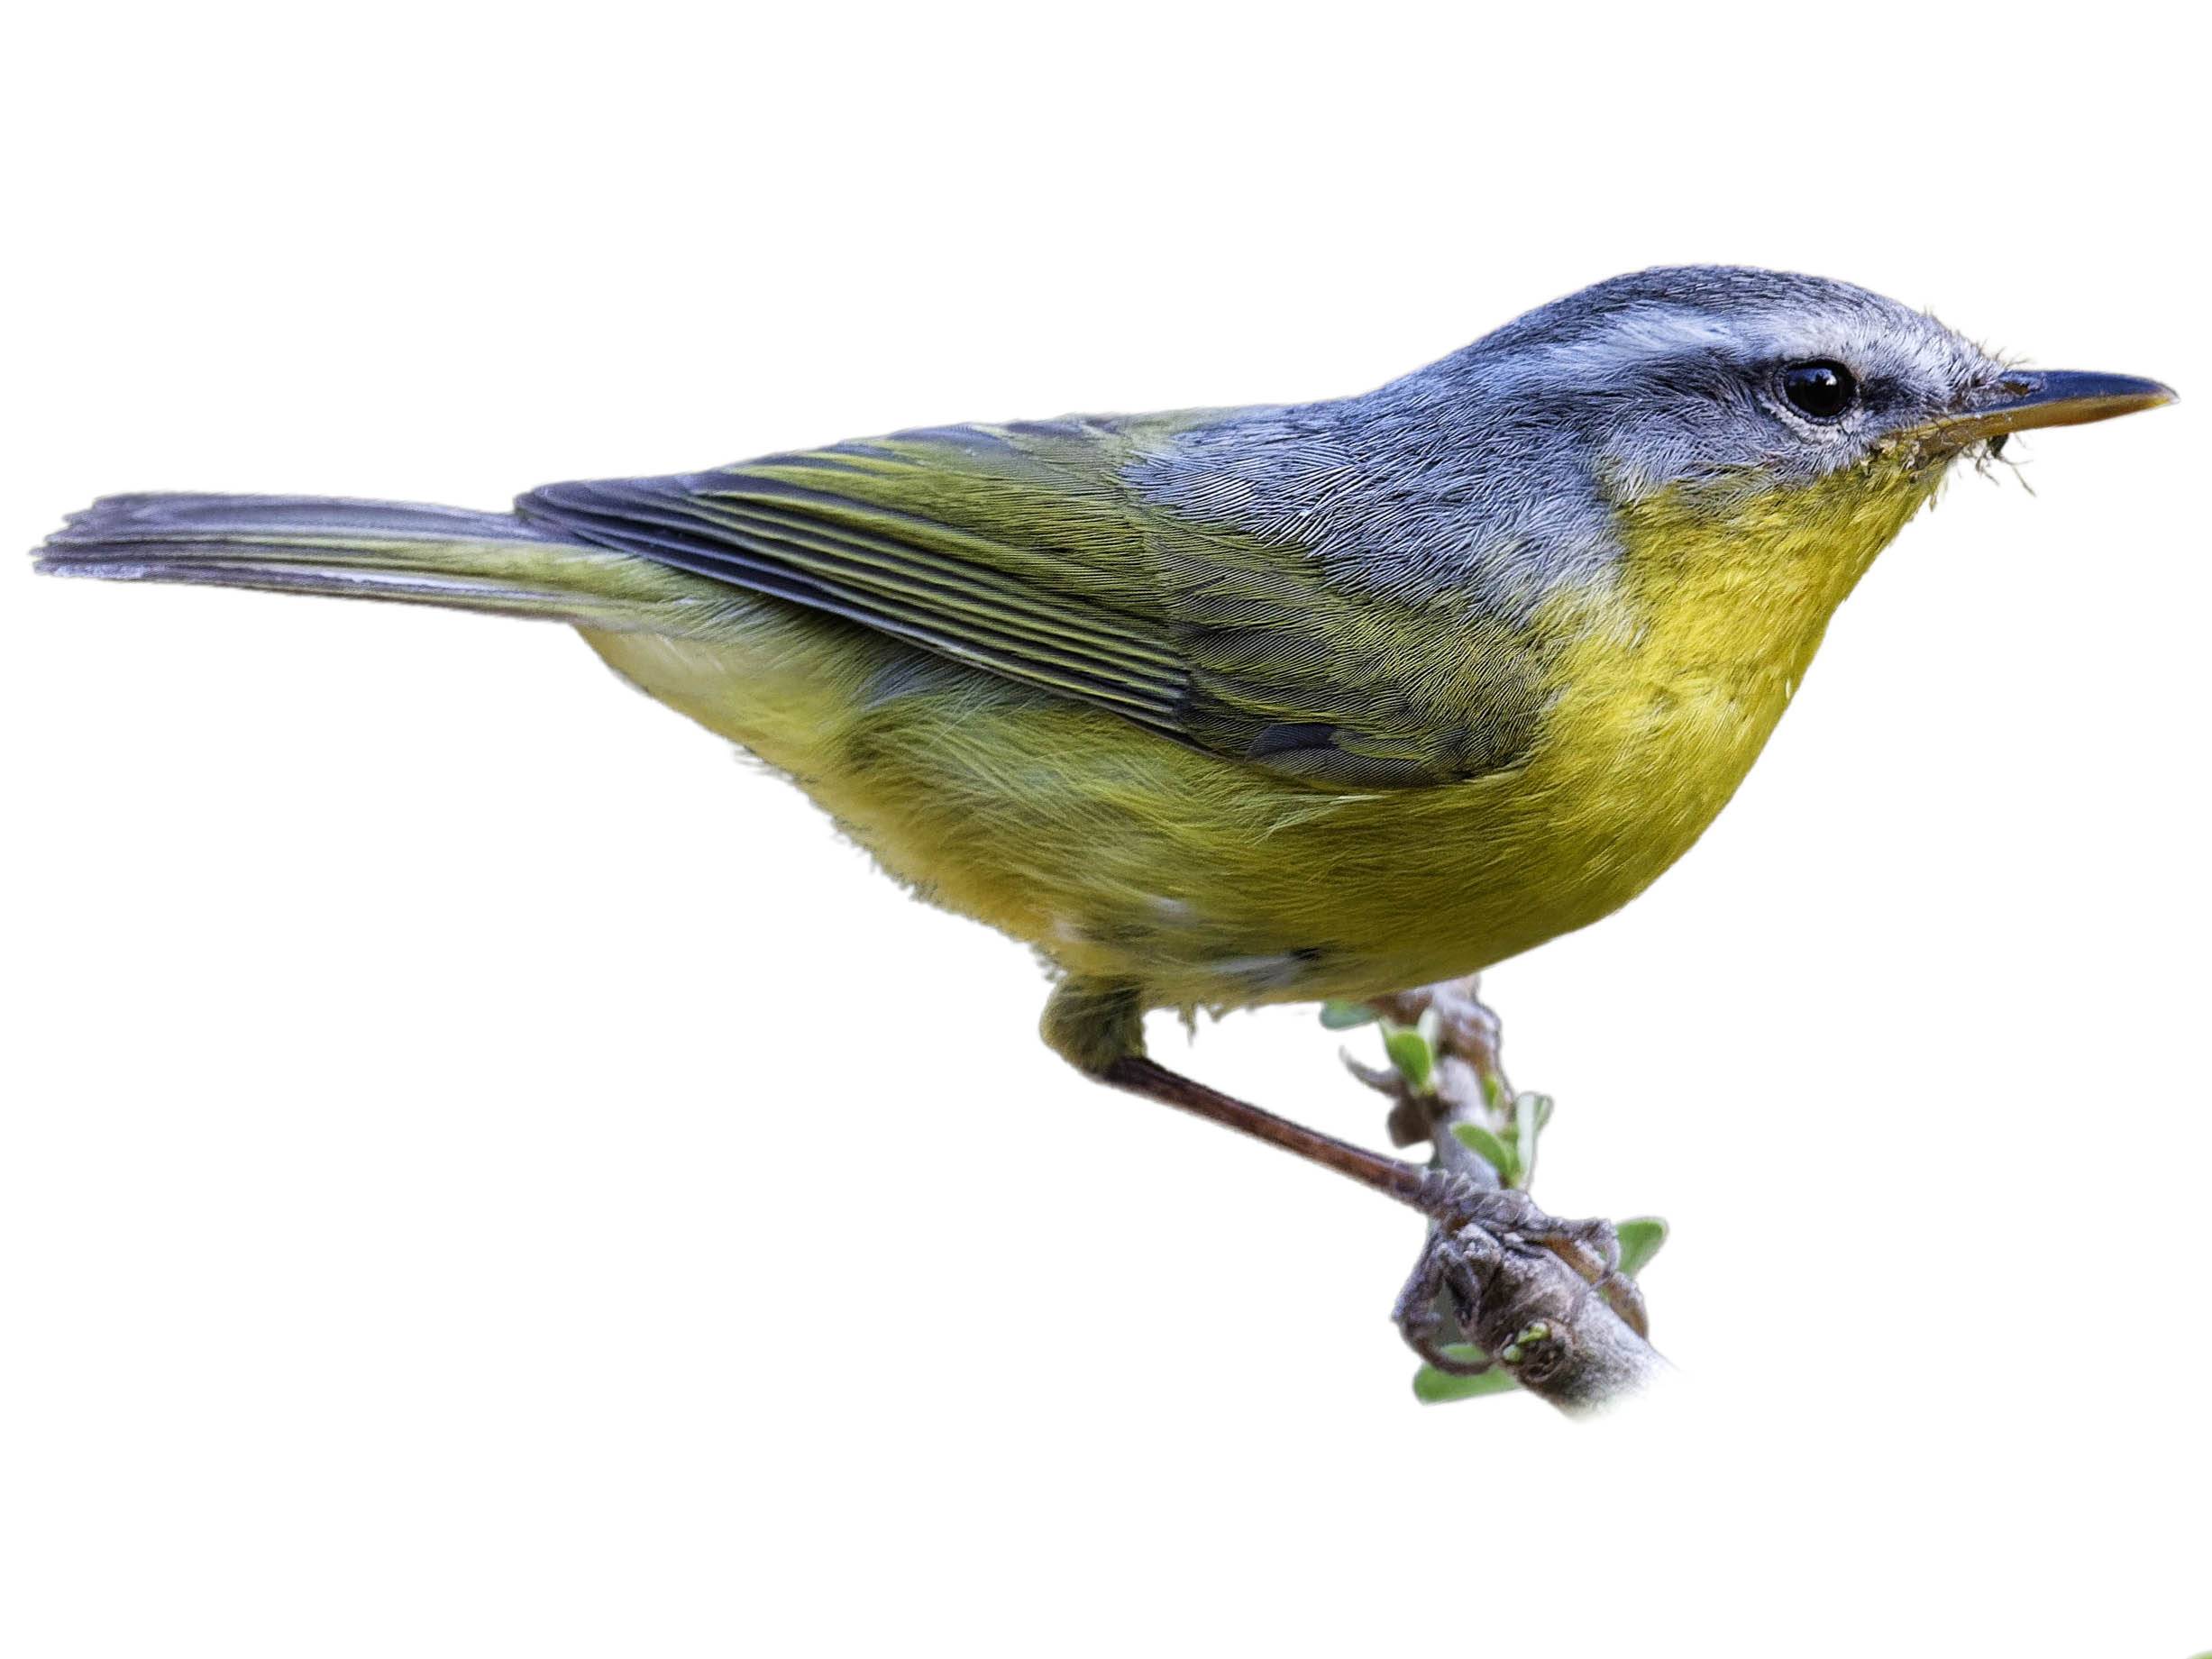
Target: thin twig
1529	1292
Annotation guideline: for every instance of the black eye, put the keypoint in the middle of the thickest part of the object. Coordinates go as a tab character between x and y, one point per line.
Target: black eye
1821	390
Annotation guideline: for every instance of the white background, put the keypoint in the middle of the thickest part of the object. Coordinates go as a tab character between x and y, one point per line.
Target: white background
485	1173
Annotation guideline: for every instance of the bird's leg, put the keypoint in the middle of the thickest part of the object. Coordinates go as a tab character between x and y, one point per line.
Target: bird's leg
1454	1199
1410	1183
1483	1242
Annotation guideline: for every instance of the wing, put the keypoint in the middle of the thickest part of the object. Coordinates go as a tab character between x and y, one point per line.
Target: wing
1032	551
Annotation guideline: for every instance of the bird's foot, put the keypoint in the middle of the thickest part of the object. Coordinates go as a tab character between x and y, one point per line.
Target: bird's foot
1475	1231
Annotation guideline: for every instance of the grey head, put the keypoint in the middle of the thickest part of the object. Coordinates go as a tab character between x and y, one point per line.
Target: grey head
1497	471
1670	376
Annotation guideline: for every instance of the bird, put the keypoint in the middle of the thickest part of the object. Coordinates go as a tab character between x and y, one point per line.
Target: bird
1230	706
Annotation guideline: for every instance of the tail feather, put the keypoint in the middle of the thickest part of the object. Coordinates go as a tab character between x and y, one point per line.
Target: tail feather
171	518
374	549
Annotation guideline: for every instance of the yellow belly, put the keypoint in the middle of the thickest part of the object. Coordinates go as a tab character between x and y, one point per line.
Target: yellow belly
1127	859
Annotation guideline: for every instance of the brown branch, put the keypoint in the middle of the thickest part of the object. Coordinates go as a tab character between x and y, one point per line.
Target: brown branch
1526	1289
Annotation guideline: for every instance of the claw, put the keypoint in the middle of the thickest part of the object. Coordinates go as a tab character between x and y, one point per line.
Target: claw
1466	1214
1577	1242
1445	1268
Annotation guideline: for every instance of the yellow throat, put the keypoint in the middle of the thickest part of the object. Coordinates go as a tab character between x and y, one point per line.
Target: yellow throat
1681	664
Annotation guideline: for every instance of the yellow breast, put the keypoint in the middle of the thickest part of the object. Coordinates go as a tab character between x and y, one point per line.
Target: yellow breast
1677	670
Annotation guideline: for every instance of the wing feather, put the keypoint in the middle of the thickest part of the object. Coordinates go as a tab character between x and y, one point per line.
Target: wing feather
1024	550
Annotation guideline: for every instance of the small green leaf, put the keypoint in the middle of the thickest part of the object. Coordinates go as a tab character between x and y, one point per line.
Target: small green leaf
1485	1145
1346	1015
1530	1114
1640	1238
1432	1387
1409	1050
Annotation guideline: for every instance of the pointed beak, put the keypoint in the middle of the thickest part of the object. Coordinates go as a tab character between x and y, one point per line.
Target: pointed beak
2027	398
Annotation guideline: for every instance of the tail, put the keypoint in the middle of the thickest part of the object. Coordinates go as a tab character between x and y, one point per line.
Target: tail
377	550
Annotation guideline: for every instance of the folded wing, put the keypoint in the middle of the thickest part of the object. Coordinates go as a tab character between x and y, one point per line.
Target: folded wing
1027	551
